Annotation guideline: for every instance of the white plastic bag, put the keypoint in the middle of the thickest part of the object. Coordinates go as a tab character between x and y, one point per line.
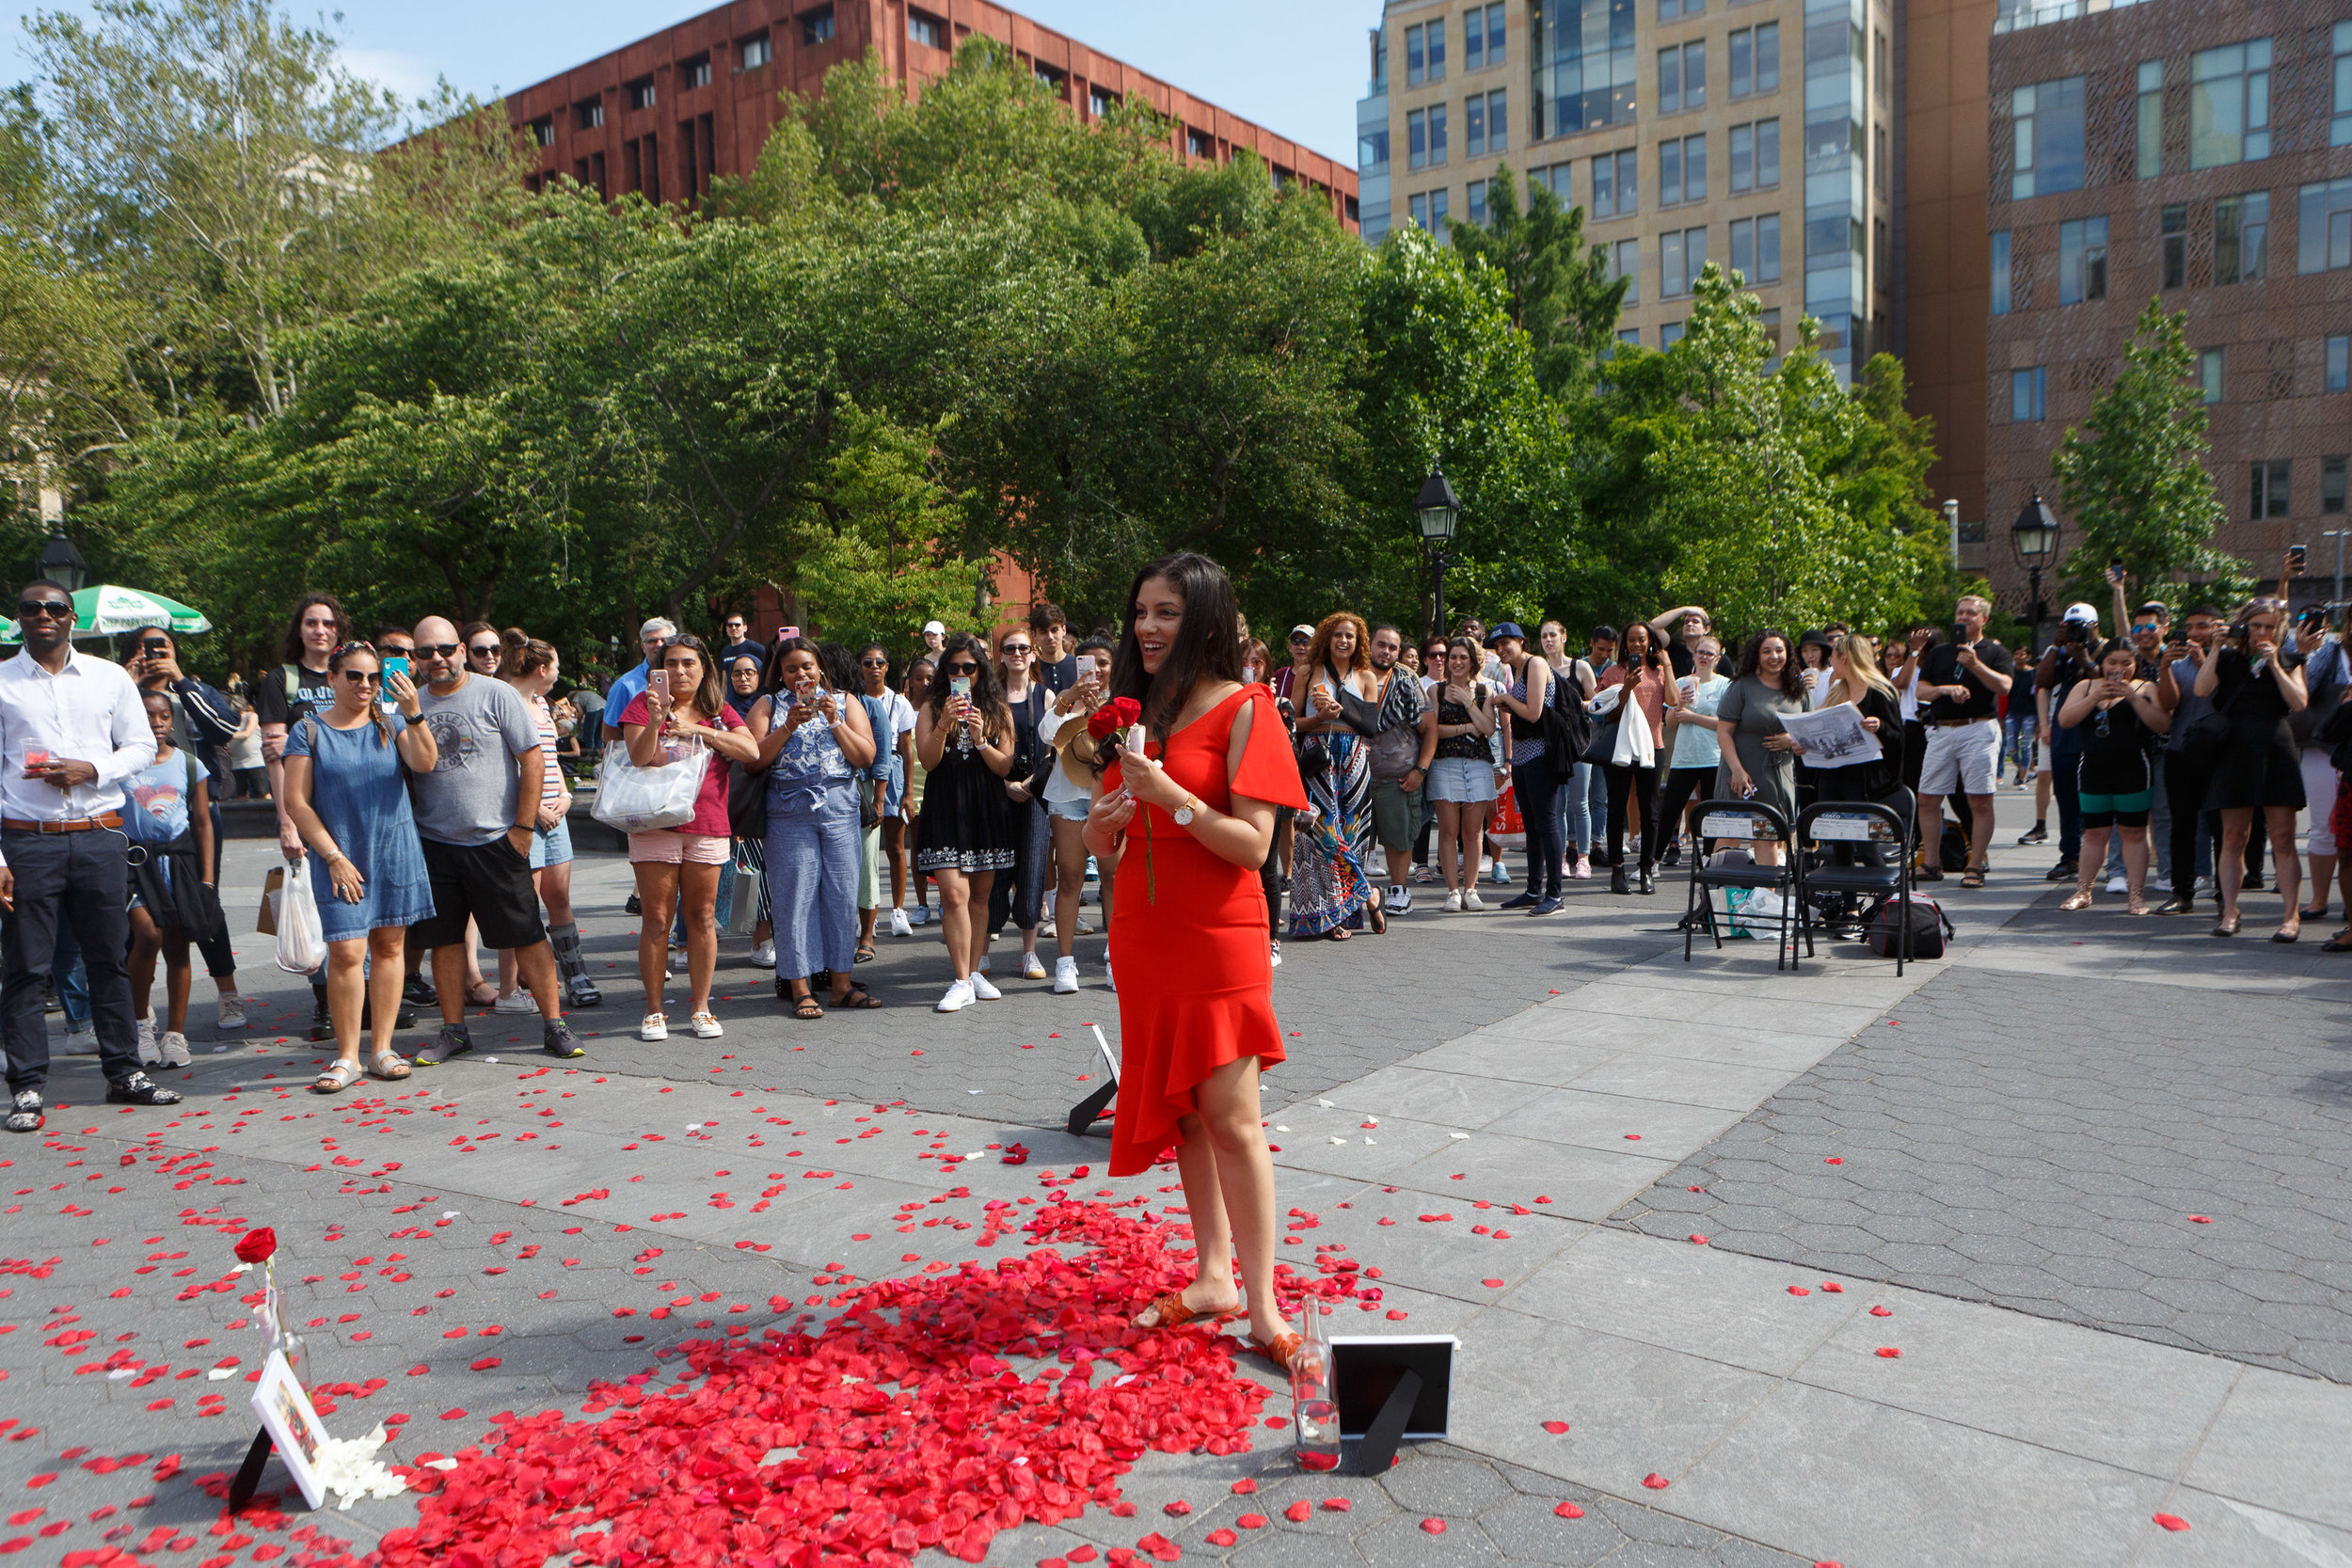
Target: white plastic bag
301	941
640	799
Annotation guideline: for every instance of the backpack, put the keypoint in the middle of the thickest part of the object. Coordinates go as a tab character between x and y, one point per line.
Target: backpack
1567	728
1952	854
1929	926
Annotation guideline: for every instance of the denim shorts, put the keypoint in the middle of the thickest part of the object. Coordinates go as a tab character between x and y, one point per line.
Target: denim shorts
1070	810
1461	779
551	846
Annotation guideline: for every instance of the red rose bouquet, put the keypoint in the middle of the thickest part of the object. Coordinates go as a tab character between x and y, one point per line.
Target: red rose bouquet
1110	719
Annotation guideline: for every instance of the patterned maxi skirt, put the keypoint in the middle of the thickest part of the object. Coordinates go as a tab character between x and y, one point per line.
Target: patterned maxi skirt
1328	887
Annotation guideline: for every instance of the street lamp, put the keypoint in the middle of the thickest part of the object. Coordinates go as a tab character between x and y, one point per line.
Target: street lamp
61	564
2035	535
1438	510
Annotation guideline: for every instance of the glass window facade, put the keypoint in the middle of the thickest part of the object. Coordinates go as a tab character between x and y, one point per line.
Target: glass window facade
2173	263
2082	261
2324	227
1755	248
2028	395
1836	196
2340	128
2150	129
1616	184
2241	238
2271	487
2048	120
2228	104
2001	273
2209	374
1587	71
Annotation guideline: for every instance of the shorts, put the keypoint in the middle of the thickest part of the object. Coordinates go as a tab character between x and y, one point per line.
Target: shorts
1396	814
1460	780
1070	810
894	784
669	847
490	884
2113	811
1961	758
551	846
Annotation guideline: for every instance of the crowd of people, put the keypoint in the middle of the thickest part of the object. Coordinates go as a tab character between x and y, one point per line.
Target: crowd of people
424	781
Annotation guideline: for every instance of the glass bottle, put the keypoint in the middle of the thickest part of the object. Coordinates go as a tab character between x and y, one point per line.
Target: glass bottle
1315	1402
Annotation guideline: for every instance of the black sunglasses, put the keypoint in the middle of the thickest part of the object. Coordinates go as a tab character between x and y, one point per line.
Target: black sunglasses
479	648
875	663
1014	648
27	609
439	649
963	669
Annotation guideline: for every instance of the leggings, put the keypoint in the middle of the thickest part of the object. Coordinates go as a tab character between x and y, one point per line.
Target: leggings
1641	782
1684	786
1269	877
1533	785
1019	897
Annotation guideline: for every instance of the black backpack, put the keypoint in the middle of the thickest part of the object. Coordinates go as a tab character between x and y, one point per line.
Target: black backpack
1952	854
1567	728
1929	928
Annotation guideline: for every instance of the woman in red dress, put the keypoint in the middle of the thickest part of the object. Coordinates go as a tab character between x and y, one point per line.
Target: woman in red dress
1188	820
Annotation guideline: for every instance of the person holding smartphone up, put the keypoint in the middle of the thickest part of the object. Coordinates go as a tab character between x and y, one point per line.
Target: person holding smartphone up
2255	685
1959	683
1069	796
815	743
964	738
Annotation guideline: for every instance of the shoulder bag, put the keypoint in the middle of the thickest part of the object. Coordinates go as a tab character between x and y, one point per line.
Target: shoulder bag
1603	716
747	793
643	800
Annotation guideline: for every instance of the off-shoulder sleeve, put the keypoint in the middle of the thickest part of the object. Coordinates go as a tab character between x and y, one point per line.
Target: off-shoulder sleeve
1269	770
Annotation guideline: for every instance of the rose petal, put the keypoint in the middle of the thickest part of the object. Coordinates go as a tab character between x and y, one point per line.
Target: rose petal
1570	1510
1890	1351
1555	1428
1655	1481
2171	1521
1296	1513
1435	1527
1220	1538
1881	1311
1251	1521
1337	1505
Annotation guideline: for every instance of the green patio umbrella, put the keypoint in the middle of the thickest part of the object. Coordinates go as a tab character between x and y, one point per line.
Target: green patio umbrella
104	610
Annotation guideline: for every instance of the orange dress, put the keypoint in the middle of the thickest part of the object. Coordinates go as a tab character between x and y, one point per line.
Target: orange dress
1188	936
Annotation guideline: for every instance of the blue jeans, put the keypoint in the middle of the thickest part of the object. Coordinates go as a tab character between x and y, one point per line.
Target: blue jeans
1572	810
1594	783
2017	733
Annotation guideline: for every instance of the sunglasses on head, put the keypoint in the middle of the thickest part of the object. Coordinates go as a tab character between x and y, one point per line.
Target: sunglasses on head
27	609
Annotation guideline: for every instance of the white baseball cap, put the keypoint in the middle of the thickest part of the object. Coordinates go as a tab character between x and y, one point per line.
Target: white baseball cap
2087	614
931	627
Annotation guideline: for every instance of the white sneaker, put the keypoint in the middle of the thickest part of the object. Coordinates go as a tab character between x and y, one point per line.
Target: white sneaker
655	1027
2119	884
706	1027
1471	899
678	961
2159	884
1275	957
230	1019
764	955
1106	976
1065	976
516	1003
985	960
899	926
1086	927
982	988
1400	899
1454	901
150	1052
958	998
80	1042
1032	967
175	1049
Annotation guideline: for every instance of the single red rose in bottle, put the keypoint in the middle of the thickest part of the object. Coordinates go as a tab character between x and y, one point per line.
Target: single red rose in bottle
256	1246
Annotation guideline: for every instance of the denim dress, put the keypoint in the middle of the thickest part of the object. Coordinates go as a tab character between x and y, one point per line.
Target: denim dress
813	844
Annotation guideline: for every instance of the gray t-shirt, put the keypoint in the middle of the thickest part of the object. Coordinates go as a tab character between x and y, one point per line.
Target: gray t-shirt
480	728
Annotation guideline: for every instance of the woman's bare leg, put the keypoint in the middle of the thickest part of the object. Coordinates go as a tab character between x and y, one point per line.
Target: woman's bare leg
955	920
657	896
698	888
1243	1168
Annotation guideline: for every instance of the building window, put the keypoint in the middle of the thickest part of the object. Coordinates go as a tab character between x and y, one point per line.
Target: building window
1053	81
1437	135
2001	273
1629	335
2027	395
543	131
2209	374
1418	206
1682	77
1883	69
2340	128
2082	261
1756	59
2332	486
1199	144
641	93
1756	247
1587	70
1100	103
1767	153
1682	171
1416	57
1496	54
815	28
2174	262
1424	54
1436	215
2151	119
1770	321
1742	158
2340	363
1675	11
1616	184
2271	487
1475	125
1882	167
1498	120
2241	237
1477	202
2048	117
695	74
1416	139
1681	252
1881	254
2228	104
1482	38
1625	261
1670	333
2324	216
929	31
585	116
1372	146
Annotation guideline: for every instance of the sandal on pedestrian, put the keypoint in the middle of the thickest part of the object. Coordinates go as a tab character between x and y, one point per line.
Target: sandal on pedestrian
1172	1311
2340	942
857	997
2078	899
339	1076
2136	905
1379	917
807	1008
2225	928
1280	1349
1338	933
1974	876
388	1064
865	954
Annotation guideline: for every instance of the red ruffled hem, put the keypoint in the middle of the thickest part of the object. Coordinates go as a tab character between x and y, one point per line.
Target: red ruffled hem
1169	1046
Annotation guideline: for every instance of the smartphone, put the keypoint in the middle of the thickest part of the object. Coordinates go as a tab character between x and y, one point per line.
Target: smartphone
2297	556
153	645
394	665
1960	635
658	682
960	687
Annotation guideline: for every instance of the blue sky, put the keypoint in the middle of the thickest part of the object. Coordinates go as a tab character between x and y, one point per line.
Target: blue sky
1293	66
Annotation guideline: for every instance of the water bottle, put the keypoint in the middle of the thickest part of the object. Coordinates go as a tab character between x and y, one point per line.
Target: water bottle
1315	1402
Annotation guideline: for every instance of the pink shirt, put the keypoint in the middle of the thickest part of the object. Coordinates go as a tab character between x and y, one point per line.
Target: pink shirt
710	806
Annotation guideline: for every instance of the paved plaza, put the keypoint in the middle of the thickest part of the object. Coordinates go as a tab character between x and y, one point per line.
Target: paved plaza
2003	1262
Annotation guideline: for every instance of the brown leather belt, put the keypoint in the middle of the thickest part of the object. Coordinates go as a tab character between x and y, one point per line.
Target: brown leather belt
1957	723
80	825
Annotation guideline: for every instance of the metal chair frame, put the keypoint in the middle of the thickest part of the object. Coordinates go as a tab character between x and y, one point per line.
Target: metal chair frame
1892	880
1705	877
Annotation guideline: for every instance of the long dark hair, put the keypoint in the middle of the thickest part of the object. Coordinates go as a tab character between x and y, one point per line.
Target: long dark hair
1205	647
1653	647
293	649
774	681
988	693
1792	674
711	692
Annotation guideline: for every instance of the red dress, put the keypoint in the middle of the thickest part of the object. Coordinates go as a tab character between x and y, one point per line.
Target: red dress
1188	936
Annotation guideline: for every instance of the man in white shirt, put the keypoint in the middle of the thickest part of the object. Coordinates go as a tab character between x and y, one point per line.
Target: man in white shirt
71	729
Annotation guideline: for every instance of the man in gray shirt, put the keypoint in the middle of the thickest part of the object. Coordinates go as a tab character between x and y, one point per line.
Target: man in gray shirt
476	820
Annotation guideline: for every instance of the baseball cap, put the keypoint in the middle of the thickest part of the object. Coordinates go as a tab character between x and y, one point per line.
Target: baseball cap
2087	614
930	626
1505	628
1302	630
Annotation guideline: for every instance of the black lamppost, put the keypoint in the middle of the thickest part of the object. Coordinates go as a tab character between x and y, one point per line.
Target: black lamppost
1438	510
61	564
2035	535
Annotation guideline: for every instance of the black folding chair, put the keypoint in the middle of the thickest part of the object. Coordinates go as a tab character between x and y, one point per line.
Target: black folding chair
1755	822
1886	827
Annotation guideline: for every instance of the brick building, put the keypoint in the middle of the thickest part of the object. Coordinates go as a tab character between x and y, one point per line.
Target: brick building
2200	154
664	115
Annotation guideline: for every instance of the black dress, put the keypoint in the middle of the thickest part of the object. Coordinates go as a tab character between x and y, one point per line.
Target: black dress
966	823
1868	780
2258	766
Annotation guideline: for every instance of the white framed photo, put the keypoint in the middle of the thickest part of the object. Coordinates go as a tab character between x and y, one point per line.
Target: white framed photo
296	1429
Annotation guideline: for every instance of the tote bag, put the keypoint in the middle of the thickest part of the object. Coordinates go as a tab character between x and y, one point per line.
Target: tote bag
641	799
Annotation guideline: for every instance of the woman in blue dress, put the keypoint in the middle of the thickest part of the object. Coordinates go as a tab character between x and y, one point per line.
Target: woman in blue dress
348	796
814	741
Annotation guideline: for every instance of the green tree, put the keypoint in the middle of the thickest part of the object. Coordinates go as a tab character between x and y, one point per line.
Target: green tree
2133	481
1562	295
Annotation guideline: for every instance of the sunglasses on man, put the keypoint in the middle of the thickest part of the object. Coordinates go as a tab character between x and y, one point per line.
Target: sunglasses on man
56	609
440	650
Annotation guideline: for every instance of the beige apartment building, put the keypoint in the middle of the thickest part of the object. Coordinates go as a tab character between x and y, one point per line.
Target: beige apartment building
1763	135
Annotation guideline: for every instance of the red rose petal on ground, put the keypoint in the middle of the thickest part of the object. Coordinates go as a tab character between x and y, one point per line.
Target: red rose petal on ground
1799	1291
1833	1287
1159	1547
1297	1512
1492	1284
1634	1137
1396	1315
452	1415
1655	1481
2200	1219
1829	1562
1219	1537
2171	1521
1251	1521
1337	1505
1178	1509
1890	1351
1570	1510
1435	1527
1881	1311
1555	1428
1244	1486
1698	1240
